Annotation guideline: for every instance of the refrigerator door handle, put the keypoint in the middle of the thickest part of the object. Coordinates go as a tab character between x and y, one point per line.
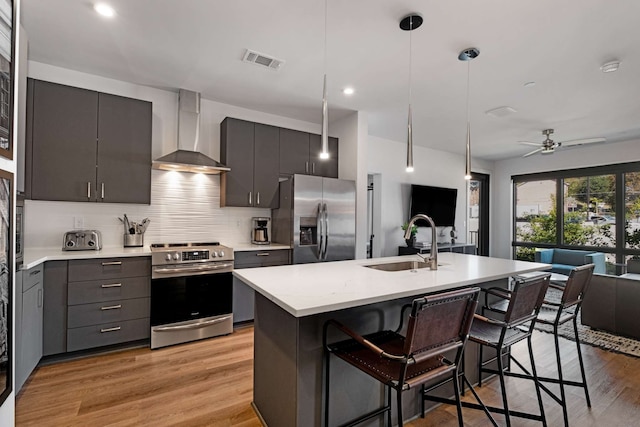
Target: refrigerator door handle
325	229
320	225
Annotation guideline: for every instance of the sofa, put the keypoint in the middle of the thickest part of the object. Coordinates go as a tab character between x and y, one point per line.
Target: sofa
611	304
564	260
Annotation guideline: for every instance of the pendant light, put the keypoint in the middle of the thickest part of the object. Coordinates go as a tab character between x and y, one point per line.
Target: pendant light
324	153
468	55
410	23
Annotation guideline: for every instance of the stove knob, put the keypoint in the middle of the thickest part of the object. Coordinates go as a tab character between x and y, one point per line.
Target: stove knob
221	253
91	243
214	254
167	257
176	256
71	243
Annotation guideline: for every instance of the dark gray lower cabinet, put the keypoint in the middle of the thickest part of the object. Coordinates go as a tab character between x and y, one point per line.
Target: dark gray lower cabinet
243	295
28	317
54	338
95	302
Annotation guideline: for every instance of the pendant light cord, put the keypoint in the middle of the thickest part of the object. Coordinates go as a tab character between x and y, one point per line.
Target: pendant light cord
325	36
410	49
468	88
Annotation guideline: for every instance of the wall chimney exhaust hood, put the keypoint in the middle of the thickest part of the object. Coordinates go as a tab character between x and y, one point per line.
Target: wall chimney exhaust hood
187	158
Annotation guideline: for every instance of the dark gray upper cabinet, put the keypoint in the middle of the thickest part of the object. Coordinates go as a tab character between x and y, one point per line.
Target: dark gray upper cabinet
251	151
61	142
323	167
86	146
124	150
300	153
294	152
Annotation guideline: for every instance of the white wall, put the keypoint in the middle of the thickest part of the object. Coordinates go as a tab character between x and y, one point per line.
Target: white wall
432	167
184	207
585	156
352	132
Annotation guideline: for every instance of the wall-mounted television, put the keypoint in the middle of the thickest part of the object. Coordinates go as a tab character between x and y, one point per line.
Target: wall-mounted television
437	202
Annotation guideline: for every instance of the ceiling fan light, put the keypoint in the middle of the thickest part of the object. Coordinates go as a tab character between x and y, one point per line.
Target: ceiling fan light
547	151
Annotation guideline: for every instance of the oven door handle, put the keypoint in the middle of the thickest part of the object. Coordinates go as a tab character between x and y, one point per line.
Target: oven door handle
192	325
192	269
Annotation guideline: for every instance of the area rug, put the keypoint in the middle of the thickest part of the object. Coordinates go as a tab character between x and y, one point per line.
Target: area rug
592	337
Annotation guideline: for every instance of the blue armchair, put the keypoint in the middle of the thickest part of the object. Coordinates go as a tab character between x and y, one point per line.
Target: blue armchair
565	260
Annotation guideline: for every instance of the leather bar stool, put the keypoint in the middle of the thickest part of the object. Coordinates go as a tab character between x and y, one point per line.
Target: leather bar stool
437	324
519	310
559	313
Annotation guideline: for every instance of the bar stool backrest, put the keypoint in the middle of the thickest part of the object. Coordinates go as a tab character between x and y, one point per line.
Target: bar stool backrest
440	322
576	285
526	299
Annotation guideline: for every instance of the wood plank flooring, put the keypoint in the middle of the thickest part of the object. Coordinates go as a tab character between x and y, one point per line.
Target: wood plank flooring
209	383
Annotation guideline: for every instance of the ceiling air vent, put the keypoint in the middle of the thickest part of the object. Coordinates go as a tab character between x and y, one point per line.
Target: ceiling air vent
262	60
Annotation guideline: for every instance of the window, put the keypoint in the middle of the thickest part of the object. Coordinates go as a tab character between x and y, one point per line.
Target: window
578	209
535	210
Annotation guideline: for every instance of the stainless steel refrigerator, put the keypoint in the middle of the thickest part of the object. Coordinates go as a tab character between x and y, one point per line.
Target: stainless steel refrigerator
317	217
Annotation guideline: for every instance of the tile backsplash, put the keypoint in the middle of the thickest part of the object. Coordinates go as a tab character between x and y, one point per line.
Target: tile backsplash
184	207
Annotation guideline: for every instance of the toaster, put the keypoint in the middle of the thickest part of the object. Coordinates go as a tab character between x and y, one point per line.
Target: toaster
82	240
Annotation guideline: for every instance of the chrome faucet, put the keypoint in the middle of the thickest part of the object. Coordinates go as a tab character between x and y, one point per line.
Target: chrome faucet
433	258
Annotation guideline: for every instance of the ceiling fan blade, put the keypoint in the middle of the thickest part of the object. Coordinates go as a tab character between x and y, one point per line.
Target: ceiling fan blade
534	152
535	144
582	141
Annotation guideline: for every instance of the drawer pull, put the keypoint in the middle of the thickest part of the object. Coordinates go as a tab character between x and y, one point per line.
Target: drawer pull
112	263
262	254
196	325
31	273
117	328
111	307
112	285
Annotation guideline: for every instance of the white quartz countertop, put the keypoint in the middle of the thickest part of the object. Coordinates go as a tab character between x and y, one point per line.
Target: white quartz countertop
307	289
34	257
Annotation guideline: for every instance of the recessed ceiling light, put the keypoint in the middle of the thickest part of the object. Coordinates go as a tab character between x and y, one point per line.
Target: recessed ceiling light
348	91
610	66
104	10
529	84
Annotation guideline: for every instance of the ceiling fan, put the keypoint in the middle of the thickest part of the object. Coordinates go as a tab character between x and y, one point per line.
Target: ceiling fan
548	146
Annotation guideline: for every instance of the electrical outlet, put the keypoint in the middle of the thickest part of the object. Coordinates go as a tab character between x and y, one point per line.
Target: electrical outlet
78	222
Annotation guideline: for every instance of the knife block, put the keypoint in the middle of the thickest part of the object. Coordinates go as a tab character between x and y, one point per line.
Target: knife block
133	240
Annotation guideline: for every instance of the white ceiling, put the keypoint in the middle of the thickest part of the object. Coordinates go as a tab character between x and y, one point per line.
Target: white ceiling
198	45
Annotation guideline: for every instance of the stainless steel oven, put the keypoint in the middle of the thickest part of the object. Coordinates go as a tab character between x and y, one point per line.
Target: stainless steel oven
191	292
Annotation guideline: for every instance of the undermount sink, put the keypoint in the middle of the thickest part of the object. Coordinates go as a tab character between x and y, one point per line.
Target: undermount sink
400	266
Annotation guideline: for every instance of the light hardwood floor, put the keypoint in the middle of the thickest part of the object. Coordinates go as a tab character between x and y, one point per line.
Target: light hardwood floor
209	383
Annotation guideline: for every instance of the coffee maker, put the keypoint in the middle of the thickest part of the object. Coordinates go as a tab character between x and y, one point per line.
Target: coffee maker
260	233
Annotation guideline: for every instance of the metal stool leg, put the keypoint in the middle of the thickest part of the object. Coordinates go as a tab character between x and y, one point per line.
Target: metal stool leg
389	405
399	398
563	397
534	373
456	390
327	355
503	388
584	378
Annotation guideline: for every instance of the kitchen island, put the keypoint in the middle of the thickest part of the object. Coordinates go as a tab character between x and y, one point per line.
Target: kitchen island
293	302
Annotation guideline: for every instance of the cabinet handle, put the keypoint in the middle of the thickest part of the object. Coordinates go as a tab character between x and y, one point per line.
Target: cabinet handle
117	328
249	197
102	190
89	190
112	285
306	167
263	254
39	298
111	307
257	198
104	264
31	273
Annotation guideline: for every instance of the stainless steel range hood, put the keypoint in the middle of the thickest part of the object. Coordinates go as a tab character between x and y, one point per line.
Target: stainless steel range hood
187	158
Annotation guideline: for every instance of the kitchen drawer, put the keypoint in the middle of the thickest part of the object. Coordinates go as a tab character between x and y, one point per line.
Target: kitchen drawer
32	277
108	290
107	312
247	259
108	268
107	334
